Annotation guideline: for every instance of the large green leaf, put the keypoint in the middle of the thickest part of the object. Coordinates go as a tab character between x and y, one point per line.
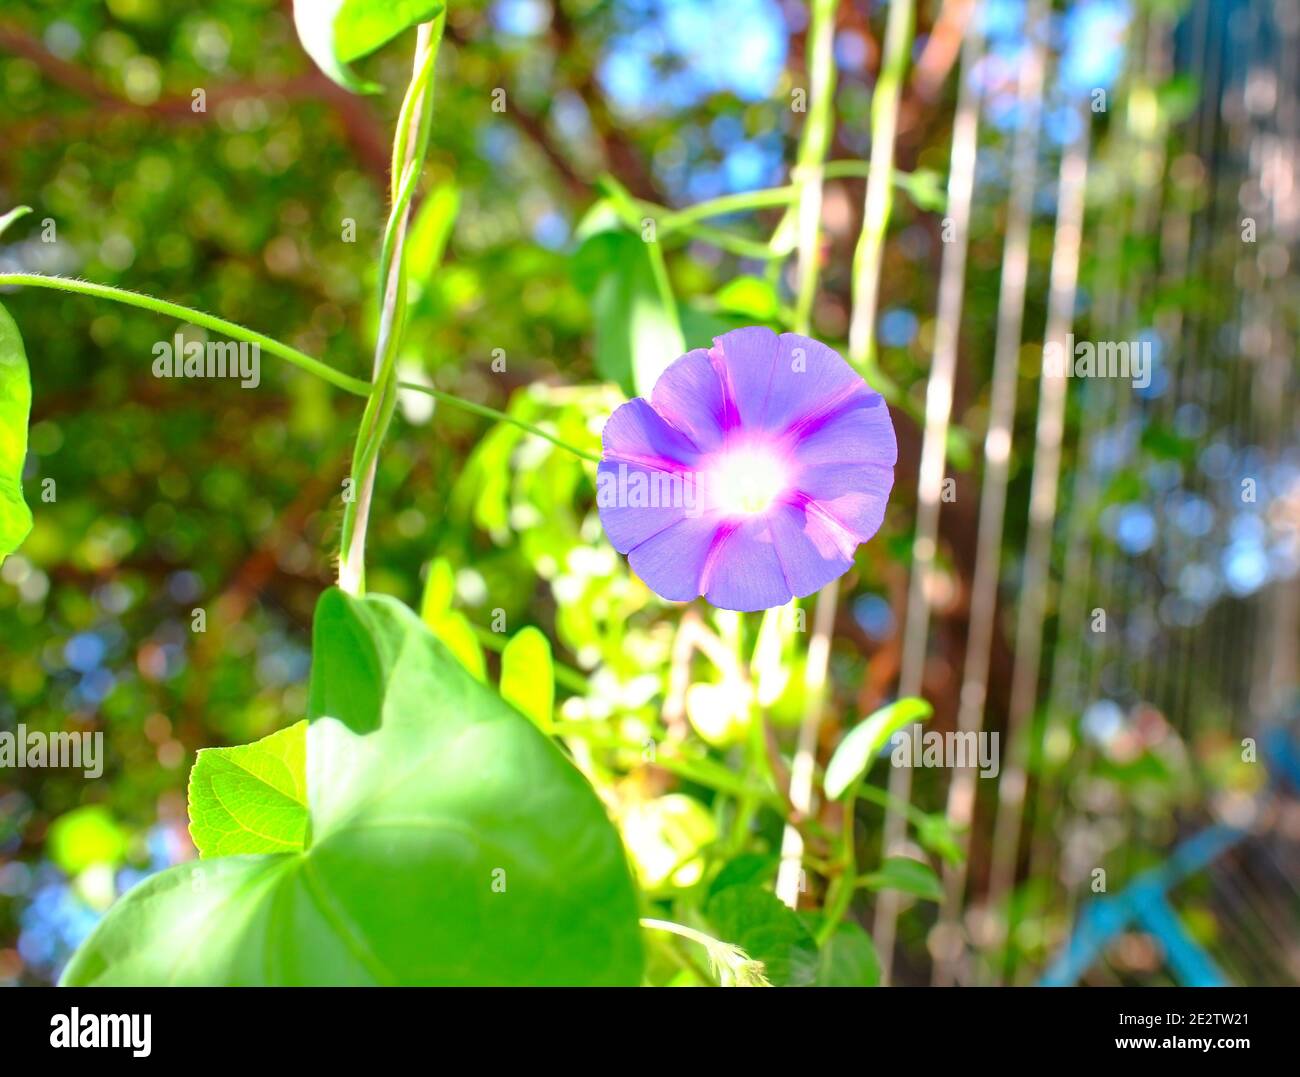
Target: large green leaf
15	407
854	754
758	868
450	843
336	32
251	798
753	918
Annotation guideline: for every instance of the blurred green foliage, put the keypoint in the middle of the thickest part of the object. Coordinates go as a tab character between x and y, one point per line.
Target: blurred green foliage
531	290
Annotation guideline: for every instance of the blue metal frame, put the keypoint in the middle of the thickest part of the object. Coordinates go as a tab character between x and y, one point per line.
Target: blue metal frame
1144	902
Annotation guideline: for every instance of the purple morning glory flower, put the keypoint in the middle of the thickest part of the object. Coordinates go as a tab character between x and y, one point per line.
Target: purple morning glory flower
751	475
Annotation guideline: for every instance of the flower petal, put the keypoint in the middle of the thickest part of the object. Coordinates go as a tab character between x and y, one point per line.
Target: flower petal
689	395
672	562
813	547
859	431
846	464
854	497
744	572
637	434
636	503
810	381
752	397
746	363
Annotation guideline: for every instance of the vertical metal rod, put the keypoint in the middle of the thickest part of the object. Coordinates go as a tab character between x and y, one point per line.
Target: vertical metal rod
997	456
1042	512
938	413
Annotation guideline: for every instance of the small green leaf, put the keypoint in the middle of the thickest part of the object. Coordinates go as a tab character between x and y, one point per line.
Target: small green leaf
636	336
859	748
848	958
905	874
925	187
430	230
15	408
451	626
337	32
439	590
754	919
528	677
7	219
457	635
251	798
936	834
85	837
751	296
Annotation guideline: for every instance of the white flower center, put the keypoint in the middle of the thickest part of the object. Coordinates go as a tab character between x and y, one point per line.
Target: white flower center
745	482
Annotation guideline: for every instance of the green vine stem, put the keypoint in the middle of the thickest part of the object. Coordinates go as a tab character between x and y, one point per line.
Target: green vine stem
499	416
806	217
410	144
271	346
879	201
919	185
840	893
866	279
810	163
195	317
7	219
846	881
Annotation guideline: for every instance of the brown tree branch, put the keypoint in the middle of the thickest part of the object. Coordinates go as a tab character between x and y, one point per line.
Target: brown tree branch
359	125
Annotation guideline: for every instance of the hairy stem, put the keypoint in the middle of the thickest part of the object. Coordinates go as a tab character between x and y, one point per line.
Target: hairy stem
194	317
841	889
805	756
410	143
673	220
879	202
499	416
302	360
809	168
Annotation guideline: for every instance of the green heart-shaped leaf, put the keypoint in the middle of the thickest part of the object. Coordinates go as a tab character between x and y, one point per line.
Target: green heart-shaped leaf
753	918
846	959
15	407
450	843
